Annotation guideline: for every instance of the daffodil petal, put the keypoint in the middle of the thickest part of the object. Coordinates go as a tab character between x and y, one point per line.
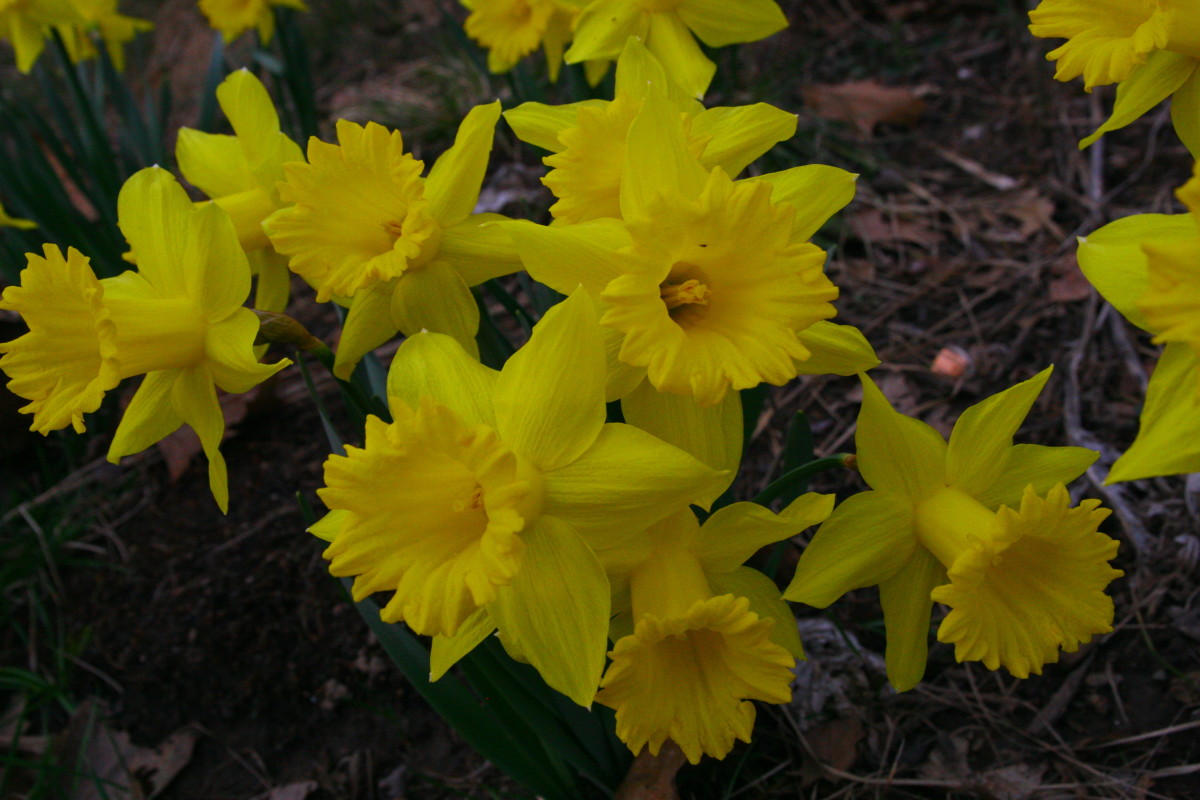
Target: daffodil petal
1185	113
436	298
1149	85
712	434
657	160
603	28
566	256
741	134
478	249
625	482
452	187
719	23
212	162
835	350
897	453
248	106
982	437
229	347
550	394
149	209
195	400
639	73
214	266
368	325
557	609
436	365
765	601
865	541
730	536
446	651
816	190
329	526
906	609
274	280
1038	466
1113	260
622	378
150	416
539	124
1168	441
673	44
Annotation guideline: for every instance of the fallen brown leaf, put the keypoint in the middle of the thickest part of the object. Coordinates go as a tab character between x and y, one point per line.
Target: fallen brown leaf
835	743
1070	284
652	777
864	103
871	225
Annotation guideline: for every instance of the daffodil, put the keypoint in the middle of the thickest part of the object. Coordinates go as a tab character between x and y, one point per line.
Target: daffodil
512	29
1148	267
708	285
1150	48
178	320
234	17
981	525
114	29
7	220
699	635
27	23
481	504
587	139
366	226
667	27
241	172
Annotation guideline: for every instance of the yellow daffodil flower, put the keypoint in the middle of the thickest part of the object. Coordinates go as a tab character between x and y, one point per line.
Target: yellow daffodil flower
115	31
1148	267
178	320
512	29
234	17
7	220
708	285
241	172
489	492
698	634
587	139
366	226
27	23
1151	49
981	525
667	28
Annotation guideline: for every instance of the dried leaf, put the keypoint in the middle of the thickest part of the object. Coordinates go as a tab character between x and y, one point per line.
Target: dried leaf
292	791
871	225
1070	284
865	103
652	777
836	743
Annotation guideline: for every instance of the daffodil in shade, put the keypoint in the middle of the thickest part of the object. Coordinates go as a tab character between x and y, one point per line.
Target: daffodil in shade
587	139
490	491
708	285
512	29
669	28
1149	48
7	220
1148	267
698	635
234	17
26	24
241	172
979	524
114	29
366	226
178	320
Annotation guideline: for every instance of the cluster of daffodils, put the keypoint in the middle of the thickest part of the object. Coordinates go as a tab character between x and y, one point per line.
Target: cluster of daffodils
1148	265
597	30
29	24
507	502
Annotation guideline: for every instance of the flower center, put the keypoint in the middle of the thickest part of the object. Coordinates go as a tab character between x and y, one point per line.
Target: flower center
685	292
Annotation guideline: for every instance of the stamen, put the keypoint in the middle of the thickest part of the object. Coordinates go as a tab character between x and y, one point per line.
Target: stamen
393	227
690	292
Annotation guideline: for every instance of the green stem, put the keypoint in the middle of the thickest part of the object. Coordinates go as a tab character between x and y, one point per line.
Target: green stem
802	473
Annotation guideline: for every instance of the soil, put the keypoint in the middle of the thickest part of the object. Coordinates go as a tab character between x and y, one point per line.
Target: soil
960	241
